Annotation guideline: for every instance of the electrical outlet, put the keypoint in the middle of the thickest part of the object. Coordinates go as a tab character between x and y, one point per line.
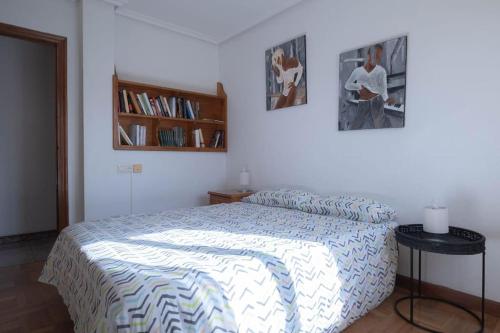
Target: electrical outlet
137	168
124	168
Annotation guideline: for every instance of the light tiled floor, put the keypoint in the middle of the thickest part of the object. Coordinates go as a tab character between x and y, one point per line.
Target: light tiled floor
24	252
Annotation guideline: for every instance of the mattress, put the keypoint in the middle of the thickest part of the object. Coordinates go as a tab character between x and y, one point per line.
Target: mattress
225	268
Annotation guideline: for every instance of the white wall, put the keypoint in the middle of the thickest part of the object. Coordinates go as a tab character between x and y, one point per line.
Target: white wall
158	56
60	17
144	53
449	149
27	137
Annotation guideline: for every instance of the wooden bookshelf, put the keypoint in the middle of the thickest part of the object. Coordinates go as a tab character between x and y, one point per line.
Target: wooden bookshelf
212	117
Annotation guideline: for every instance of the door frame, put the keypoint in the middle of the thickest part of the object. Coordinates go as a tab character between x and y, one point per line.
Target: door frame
60	44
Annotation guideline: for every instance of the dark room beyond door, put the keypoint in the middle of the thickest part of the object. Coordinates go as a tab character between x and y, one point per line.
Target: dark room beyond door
28	168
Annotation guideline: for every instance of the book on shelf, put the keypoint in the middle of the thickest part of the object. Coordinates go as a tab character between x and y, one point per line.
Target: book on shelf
217	140
153	107
190	109
147	105
173	106
197	110
144	108
222	139
121	105
198	138
137	135
180	107
160	106
133	98
124	138
202	142
125	101
166	107
173	137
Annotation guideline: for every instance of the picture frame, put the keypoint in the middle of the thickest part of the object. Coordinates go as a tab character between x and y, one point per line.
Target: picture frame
372	89
286	74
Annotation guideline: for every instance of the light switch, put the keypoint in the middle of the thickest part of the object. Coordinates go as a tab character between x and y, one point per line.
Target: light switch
124	168
137	168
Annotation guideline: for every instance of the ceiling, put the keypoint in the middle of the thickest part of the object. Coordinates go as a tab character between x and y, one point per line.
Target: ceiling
214	21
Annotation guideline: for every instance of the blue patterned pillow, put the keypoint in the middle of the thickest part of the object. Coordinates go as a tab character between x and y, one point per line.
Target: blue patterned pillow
282	198
351	208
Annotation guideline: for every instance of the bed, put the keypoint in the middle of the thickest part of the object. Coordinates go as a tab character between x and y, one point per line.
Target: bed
238	267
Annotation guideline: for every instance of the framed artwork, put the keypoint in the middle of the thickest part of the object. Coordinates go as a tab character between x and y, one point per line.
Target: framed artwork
373	86
286	83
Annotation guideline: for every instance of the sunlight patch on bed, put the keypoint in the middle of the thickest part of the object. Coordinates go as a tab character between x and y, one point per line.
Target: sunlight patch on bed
280	265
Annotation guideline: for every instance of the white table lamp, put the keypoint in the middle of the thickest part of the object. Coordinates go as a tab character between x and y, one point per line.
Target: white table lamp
436	220
244	179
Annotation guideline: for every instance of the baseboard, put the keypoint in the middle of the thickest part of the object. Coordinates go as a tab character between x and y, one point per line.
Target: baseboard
27	237
469	301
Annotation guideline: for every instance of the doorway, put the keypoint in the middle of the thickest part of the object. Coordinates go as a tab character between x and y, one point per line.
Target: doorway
59	54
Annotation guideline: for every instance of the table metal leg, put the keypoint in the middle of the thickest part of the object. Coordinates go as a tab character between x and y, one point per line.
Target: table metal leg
412	297
419	273
411	285
482	293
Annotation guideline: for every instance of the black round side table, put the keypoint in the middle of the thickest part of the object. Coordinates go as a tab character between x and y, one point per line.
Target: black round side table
457	241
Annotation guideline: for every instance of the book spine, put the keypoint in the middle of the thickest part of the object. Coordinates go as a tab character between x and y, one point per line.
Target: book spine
202	141
125	101
147	104
144	106
196	135
173	106
121	107
217	138
139	100
159	107
124	136
214	140
179	108
221	141
143	136
133	136
166	106
163	138
183	107
133	99
153	107
190	109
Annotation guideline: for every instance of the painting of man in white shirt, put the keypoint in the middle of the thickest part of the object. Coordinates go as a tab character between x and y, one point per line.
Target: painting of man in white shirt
367	90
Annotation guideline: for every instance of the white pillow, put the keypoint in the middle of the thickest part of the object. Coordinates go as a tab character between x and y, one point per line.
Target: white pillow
285	198
349	207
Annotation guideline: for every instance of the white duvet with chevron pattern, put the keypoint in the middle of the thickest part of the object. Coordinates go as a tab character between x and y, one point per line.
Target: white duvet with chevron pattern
225	268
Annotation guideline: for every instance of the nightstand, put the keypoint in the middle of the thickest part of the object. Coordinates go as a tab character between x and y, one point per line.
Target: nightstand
457	241
227	196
